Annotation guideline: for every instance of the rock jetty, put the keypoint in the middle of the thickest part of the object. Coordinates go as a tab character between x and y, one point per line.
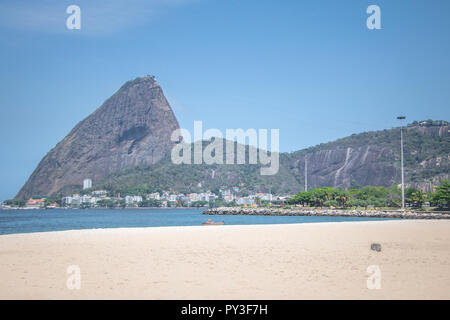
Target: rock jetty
393	214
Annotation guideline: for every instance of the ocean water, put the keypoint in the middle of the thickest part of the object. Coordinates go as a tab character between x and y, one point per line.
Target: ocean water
25	221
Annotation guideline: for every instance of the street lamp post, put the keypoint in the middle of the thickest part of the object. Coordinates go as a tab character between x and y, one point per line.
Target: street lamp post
401	155
306	173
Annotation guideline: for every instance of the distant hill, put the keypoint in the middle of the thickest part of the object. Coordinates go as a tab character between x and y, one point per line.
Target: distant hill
165	175
373	158
369	158
124	146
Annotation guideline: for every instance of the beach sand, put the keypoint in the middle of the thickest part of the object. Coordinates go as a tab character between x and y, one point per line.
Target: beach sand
298	261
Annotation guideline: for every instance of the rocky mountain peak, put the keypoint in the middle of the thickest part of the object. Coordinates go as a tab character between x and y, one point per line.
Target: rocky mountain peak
132	128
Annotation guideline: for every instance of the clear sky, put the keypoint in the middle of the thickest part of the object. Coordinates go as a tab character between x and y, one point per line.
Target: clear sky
309	68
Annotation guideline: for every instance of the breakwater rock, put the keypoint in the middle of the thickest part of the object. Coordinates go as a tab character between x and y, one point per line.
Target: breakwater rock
393	214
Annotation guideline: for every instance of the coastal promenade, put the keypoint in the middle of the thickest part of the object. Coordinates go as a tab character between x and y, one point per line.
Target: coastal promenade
393	214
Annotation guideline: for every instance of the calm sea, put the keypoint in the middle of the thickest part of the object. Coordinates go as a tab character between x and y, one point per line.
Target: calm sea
25	221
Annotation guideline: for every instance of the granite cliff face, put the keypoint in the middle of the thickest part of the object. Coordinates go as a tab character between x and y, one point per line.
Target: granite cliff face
369	158
373	158
132	128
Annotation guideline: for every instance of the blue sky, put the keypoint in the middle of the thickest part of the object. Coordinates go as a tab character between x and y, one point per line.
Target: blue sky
309	68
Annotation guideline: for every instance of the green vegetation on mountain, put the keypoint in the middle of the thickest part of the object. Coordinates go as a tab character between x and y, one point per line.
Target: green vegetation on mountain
426	154
187	178
365	159
369	158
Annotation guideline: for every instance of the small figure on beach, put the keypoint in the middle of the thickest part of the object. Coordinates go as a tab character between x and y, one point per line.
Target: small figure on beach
209	222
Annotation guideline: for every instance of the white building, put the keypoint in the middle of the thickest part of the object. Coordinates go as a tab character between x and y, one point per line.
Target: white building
165	196
86	199
87	184
133	199
155	196
66	201
76	200
99	192
89	199
203	197
193	197
185	199
228	197
265	196
245	200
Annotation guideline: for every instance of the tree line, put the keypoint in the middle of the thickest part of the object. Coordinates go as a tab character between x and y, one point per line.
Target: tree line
370	196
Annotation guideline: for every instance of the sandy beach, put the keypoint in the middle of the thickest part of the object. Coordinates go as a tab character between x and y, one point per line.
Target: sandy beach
298	261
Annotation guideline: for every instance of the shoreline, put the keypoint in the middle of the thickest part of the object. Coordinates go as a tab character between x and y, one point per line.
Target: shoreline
190	226
295	261
128	208
187	227
397	214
